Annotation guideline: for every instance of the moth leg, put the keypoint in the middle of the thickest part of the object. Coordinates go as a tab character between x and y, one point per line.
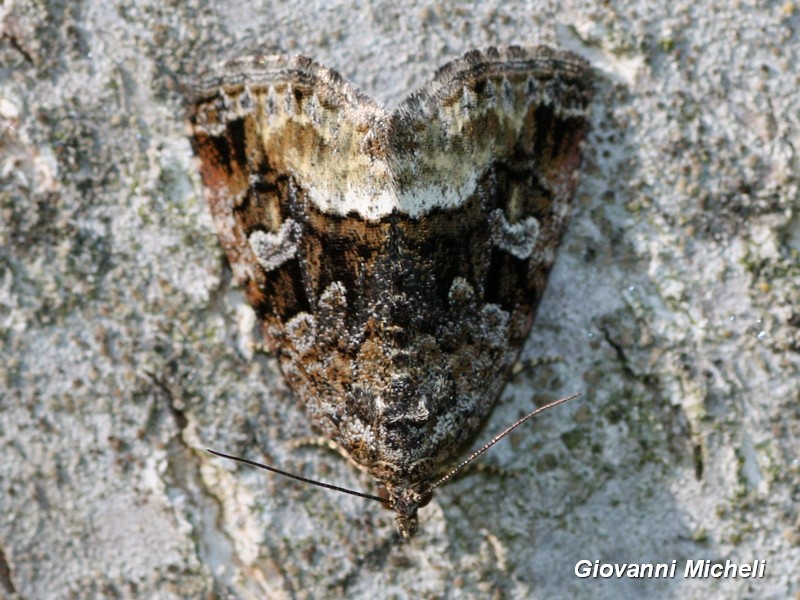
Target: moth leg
319	442
524	366
261	348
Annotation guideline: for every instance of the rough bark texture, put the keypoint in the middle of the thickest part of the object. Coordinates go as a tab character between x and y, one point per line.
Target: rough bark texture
674	306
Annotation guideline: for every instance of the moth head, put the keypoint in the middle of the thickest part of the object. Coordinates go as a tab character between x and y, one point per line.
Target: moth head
406	501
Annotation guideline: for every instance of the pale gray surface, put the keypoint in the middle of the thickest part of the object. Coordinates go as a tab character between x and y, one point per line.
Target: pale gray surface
674	306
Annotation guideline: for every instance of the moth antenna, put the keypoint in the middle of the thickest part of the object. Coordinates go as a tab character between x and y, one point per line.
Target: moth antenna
499	437
297	477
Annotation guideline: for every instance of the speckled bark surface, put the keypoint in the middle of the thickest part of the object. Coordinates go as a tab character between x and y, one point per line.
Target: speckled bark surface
673	305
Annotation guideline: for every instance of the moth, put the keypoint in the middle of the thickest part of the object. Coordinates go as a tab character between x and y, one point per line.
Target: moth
394	259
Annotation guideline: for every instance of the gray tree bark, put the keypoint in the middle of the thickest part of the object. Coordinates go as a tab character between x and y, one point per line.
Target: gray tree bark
674	307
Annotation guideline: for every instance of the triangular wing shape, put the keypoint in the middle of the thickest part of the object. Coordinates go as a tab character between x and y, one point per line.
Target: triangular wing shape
395	260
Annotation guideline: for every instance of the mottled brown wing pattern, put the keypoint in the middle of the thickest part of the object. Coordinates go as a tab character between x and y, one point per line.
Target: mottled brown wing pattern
394	259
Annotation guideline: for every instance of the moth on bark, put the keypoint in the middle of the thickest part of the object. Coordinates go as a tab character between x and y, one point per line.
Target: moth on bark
394	259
